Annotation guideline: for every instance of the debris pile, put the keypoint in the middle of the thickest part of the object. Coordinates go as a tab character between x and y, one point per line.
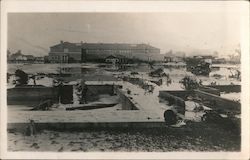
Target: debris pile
158	73
198	66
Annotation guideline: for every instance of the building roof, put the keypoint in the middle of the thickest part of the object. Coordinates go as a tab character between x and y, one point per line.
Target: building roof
14	55
29	56
110	57
103	46
64	45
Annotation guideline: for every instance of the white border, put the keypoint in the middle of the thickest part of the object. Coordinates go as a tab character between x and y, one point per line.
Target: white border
129	6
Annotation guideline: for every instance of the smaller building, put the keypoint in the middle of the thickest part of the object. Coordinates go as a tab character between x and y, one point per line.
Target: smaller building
20	58
219	61
172	58
117	59
167	59
207	59
17	57
30	58
39	60
112	59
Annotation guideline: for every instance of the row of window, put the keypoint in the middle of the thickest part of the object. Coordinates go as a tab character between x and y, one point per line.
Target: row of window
122	51
63	58
110	51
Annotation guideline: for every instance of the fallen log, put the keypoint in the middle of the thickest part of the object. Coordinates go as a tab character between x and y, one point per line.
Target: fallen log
43	106
91	106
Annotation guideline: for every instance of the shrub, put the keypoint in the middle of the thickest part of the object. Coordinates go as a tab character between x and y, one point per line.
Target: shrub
189	83
22	77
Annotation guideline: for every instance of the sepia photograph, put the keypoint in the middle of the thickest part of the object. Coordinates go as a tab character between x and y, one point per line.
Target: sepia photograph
105	81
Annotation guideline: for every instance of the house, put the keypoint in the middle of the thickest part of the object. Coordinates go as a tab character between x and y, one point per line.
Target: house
112	59
170	57
219	61
39	60
234	59
30	58
17	57
117	59
207	59
20	58
66	52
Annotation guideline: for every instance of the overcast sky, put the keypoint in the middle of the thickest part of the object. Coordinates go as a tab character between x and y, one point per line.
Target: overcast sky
34	33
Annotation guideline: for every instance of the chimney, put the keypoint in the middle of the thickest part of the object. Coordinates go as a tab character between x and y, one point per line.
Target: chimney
61	44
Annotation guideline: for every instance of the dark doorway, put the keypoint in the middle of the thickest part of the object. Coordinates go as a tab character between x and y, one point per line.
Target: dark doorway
66	94
83	55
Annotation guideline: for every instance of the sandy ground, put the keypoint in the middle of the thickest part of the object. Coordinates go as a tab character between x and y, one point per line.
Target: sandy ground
193	137
235	96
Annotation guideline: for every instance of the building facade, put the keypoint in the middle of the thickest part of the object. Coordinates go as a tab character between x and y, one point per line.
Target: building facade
66	52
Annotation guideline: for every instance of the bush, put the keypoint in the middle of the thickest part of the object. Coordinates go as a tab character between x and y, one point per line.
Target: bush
189	83
22	77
